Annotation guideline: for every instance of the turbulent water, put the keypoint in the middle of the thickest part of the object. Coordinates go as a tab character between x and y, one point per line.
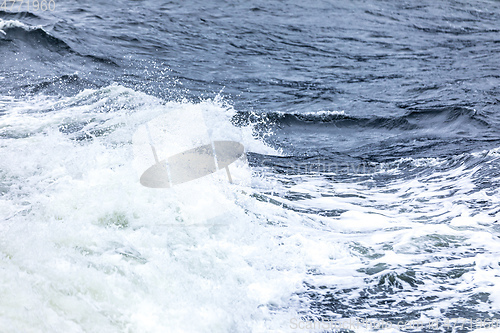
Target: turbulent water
369	193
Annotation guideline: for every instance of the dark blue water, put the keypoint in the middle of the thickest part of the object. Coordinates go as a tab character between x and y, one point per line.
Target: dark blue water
393	67
346	90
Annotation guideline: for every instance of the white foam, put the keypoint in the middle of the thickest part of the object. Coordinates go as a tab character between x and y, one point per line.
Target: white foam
429	218
84	247
10	24
87	248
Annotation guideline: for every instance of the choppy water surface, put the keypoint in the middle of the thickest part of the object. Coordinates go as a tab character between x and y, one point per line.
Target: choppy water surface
371	189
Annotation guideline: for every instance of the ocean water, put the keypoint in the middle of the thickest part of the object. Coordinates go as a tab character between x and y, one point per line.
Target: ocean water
369	194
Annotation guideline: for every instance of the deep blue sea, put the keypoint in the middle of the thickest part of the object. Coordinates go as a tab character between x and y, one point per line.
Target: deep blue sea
370	191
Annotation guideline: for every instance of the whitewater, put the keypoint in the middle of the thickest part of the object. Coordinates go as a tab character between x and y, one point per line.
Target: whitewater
367	198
